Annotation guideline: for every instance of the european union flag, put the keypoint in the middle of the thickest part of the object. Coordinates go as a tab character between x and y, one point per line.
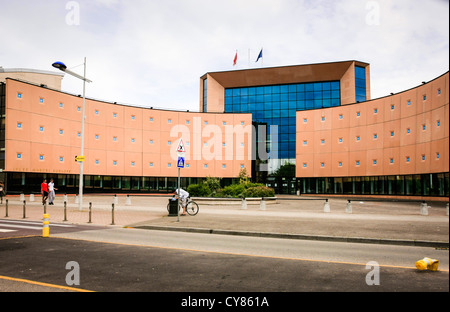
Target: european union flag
259	56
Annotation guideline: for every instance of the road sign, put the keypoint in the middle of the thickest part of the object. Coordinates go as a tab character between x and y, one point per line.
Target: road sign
80	158
180	162
181	148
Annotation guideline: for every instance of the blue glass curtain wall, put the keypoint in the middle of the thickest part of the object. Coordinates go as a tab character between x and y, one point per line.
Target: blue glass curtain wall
277	105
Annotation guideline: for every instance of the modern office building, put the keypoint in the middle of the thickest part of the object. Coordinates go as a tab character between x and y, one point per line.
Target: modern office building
308	128
331	137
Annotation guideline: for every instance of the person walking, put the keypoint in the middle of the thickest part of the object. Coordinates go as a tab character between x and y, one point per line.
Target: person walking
44	191
51	192
2	192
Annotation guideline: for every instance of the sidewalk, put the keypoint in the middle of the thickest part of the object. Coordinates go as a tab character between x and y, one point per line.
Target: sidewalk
369	222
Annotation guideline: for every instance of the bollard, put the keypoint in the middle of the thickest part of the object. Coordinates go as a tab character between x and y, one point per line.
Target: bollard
31	197
349	209
128	201
326	206
65	197
262	204
45	207
424	209
24	210
6	209
65	210
90	212
22	197
46	227
115	199
447	207
112	212
244	204
77	200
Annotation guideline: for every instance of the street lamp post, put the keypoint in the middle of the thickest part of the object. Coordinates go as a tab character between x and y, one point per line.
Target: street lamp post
61	66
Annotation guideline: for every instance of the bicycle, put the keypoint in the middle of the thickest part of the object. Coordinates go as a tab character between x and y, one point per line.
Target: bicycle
191	207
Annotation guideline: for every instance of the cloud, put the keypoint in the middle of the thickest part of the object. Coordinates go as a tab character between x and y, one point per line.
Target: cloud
152	53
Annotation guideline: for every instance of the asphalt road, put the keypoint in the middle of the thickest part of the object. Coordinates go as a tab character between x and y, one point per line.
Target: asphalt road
132	260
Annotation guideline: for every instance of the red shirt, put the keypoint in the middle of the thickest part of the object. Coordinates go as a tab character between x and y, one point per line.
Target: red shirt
44	187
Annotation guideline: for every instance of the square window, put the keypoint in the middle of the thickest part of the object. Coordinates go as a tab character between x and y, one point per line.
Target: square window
391	160
424	97
375	136
151	119
169	165
305	120
96	112
206	122
188	122
438	123
115	162
374	161
41	128
41	157
187	165
340	140
392	133
341	116
392	107
357	162
169	120
115	115
224	123
97	161
19	95
323	118
358	138
340	164
61	105
96	136
358	114
242	166
78	108
224	166
375	111
322	165
151	141
61	131
114	139
423	157
169	142
424	127
407	159
61	159
322	141
132	163
78	134
304	165
41	100
305	142
409	102
242	123
437	155
408	130
19	155
439	91
133	117
205	166
132	140
19	125
151	164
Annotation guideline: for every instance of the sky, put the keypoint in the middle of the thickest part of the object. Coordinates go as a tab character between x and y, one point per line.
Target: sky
152	53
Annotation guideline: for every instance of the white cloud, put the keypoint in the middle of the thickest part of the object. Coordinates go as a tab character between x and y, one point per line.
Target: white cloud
153	52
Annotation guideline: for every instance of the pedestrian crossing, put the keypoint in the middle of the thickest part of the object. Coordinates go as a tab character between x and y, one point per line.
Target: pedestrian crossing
27	227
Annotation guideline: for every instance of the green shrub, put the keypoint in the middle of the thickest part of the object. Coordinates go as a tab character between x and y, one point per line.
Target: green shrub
198	190
258	191
233	190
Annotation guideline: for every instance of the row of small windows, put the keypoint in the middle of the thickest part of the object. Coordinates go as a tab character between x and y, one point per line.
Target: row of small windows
374	161
132	163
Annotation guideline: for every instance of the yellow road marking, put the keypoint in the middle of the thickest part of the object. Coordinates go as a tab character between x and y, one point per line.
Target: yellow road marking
43	284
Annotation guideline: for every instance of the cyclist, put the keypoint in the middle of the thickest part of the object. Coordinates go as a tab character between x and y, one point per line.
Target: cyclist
184	196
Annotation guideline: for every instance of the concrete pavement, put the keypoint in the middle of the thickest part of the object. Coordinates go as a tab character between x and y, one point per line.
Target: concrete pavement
290	217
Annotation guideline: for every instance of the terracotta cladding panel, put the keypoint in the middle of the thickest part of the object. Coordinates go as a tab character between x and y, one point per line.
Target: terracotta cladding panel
400	134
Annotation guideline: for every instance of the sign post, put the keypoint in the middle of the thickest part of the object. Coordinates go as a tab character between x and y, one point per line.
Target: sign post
180	164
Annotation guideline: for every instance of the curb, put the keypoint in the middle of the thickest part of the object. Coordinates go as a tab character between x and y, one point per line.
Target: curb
361	240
